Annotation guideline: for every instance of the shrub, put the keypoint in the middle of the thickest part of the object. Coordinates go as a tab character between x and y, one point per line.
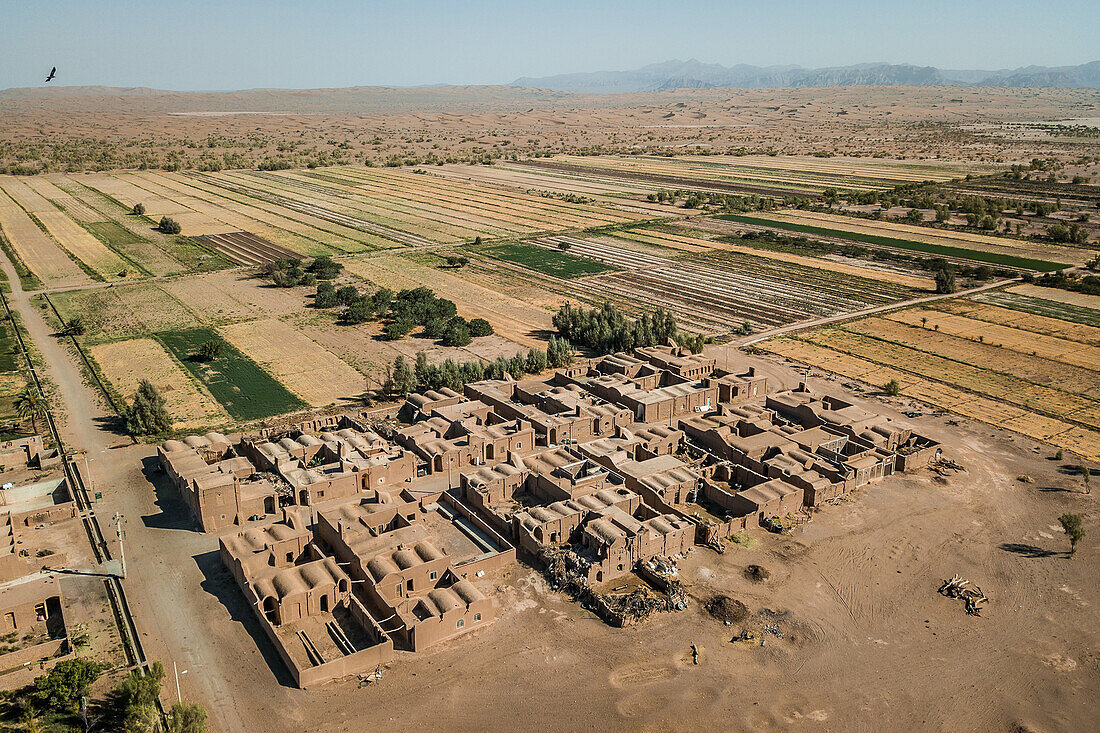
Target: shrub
187	717
892	388
75	326
168	225
480	327
139	209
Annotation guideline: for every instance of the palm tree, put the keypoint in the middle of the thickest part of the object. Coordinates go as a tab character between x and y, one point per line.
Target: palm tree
30	404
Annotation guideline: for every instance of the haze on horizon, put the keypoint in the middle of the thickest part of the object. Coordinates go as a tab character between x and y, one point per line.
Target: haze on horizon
206	45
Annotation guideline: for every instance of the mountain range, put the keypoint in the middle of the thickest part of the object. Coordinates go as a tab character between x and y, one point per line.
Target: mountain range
694	74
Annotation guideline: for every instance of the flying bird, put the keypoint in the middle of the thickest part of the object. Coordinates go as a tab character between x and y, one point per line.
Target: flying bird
53	73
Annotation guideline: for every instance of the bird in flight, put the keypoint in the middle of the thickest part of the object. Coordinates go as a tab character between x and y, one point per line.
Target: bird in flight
53	73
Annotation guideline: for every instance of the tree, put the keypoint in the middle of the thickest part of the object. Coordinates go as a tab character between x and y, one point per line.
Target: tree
323	268
75	326
421	370
1086	474
480	327
347	295
148	414
457	333
435	328
358	312
187	717
326	295
457	261
403	379
1071	525
892	388
168	225
63	686
139	209
30	404
945	279
210	350
536	361
914	216
137	695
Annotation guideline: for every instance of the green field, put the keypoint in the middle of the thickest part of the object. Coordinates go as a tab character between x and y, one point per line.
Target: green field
994	258
112	233
245	390
541	259
1040	307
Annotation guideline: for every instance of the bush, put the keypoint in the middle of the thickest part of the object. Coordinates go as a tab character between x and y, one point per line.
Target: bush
139	209
75	326
137	696
168	225
480	327
397	329
892	388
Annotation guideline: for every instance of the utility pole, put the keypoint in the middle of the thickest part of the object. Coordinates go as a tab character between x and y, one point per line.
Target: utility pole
121	547
176	671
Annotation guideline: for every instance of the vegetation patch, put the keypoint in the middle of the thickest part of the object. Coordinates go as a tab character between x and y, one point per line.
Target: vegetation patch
939	249
245	390
112	233
541	259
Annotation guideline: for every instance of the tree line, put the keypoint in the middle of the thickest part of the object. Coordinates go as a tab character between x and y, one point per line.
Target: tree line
404	378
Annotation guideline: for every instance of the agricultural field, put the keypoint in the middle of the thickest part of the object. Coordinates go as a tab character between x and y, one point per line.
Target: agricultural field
126	363
547	261
1031	372
710	287
800	175
960	245
242	387
298	362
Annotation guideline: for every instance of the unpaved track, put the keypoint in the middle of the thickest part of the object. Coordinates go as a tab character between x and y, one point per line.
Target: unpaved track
84	424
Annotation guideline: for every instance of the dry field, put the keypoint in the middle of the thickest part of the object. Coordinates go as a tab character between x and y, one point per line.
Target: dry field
303	366
37	249
759	173
512	318
232	296
1027	373
126	363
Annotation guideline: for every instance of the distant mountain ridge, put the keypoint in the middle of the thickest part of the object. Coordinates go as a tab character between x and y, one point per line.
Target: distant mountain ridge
694	74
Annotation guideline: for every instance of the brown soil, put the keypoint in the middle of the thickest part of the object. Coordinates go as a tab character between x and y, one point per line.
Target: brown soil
726	609
757	573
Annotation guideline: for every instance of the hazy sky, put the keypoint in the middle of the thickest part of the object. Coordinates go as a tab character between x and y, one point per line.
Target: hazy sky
204	44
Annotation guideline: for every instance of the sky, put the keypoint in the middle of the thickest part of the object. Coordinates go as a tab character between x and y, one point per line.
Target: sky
207	45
